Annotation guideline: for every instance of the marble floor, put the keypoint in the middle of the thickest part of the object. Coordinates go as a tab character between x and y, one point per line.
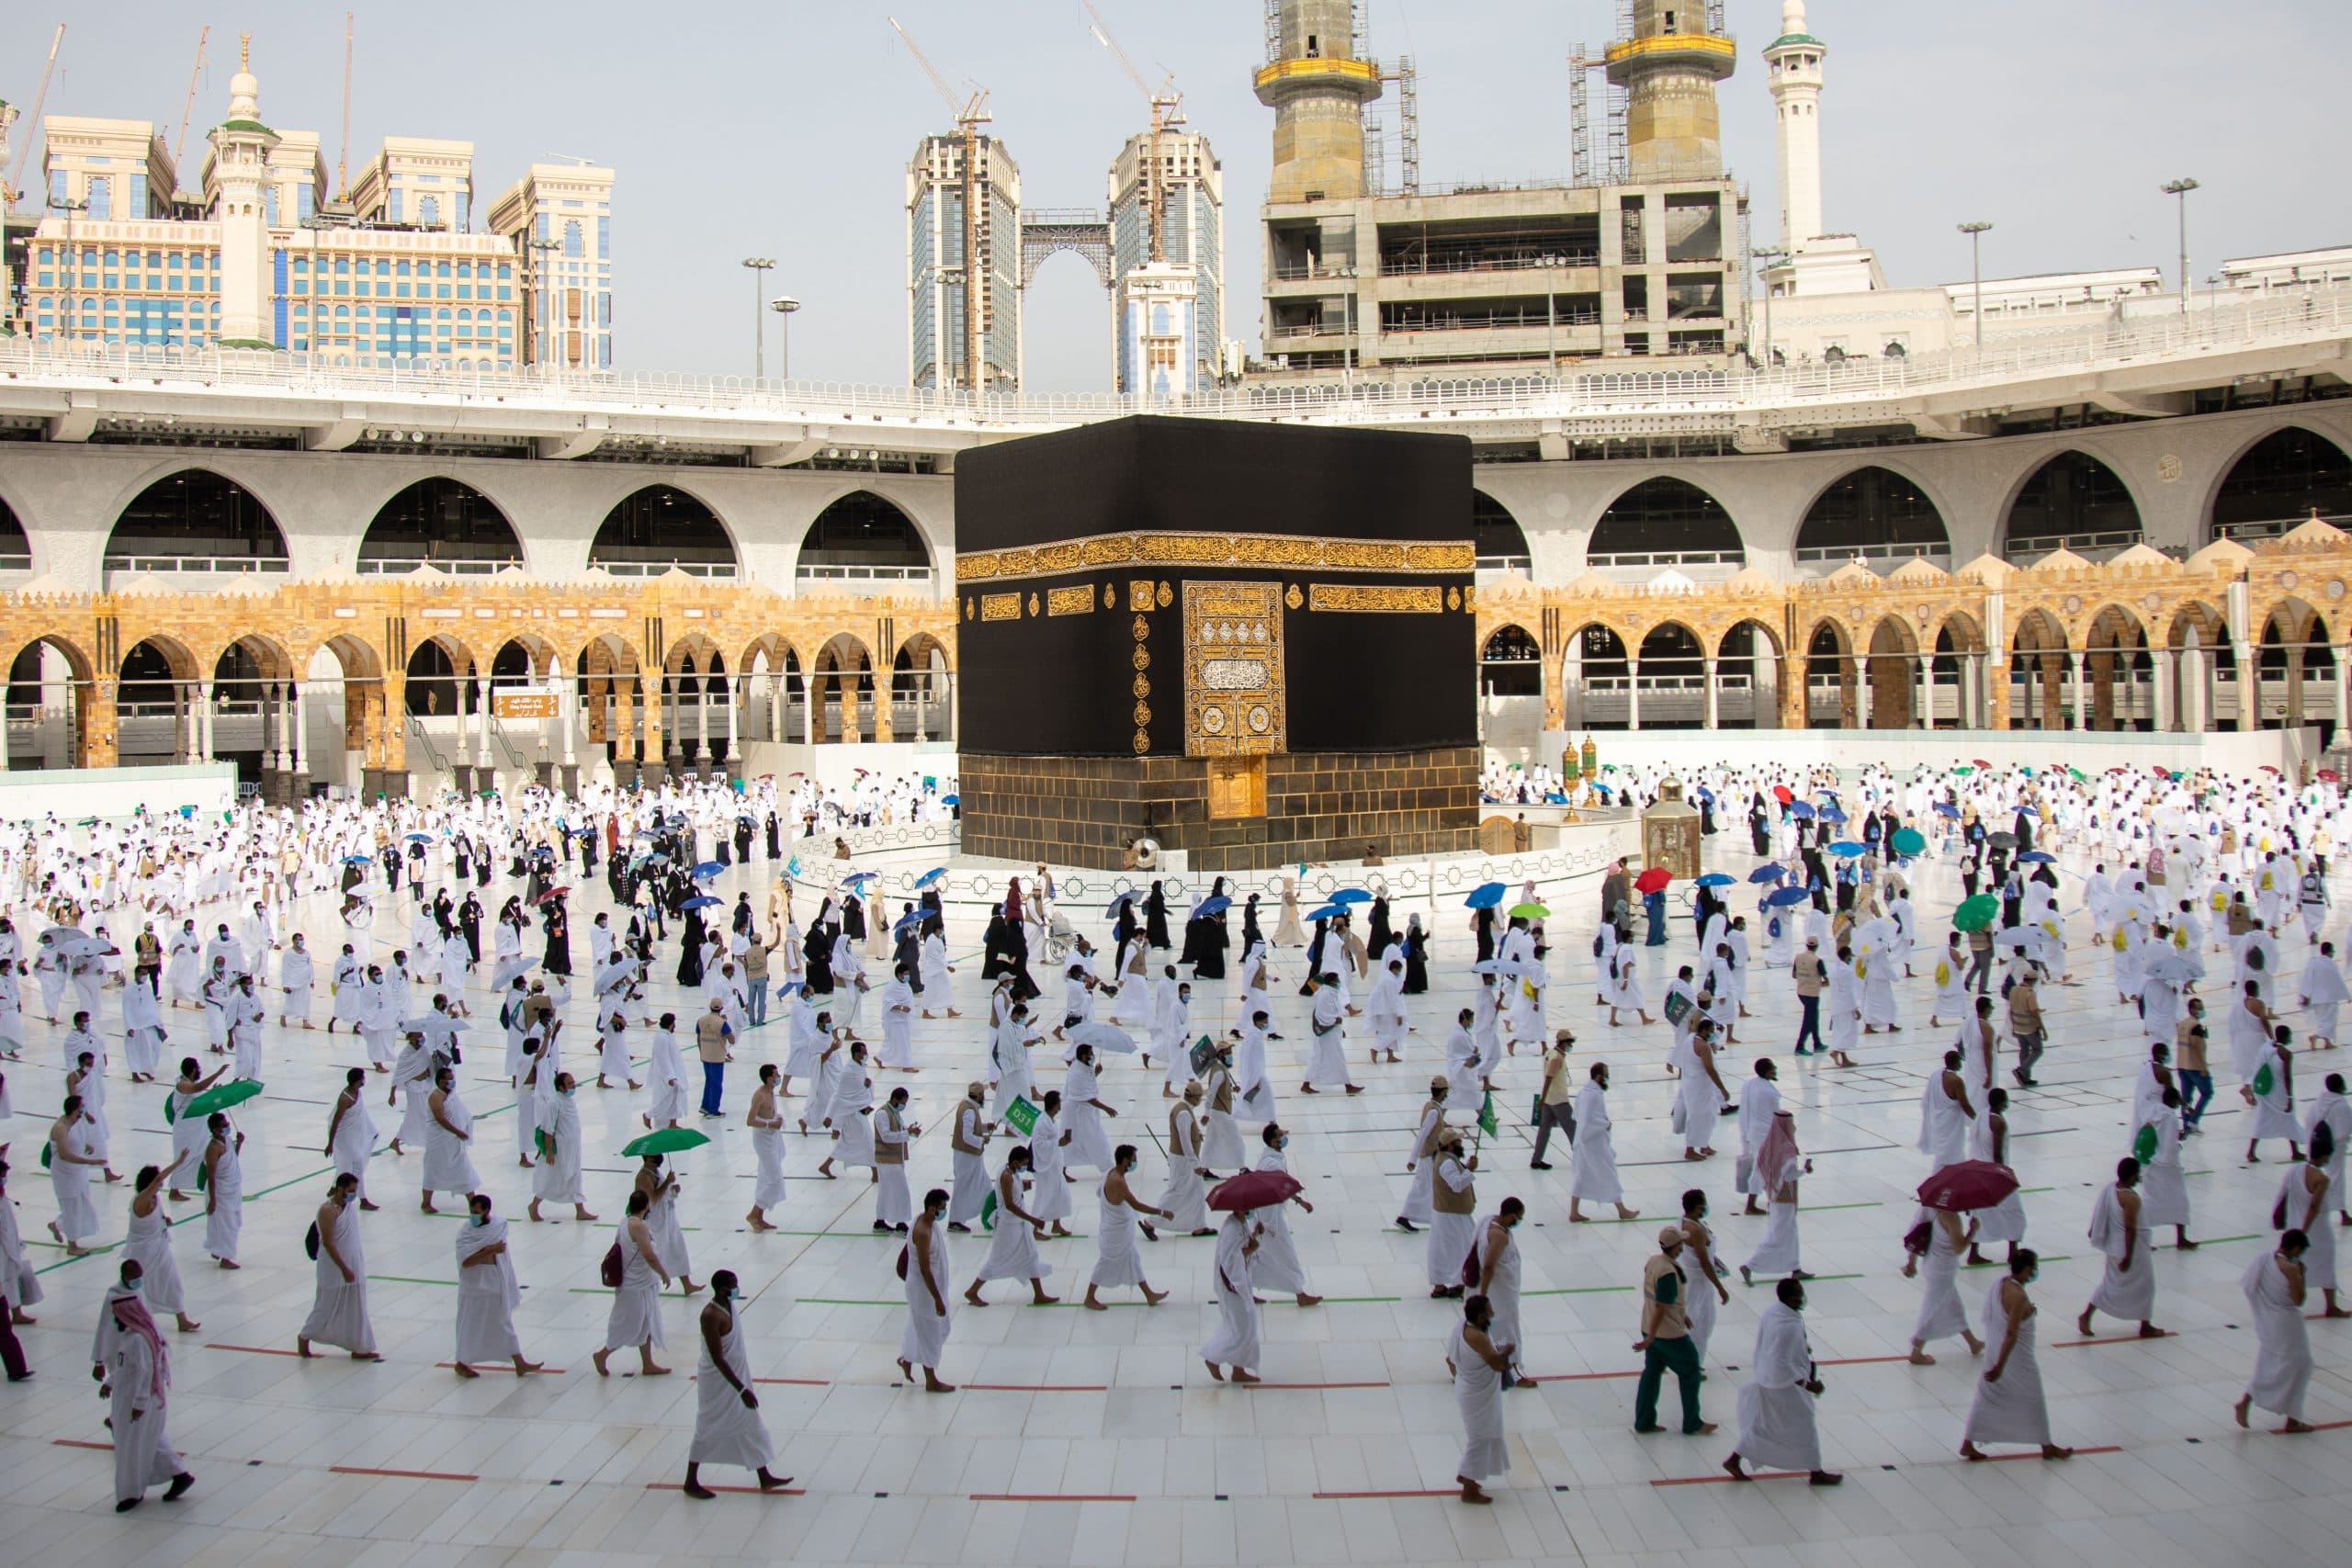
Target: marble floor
1086	1438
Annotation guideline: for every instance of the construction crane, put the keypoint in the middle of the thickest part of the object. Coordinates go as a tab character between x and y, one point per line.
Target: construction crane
970	115
16	175
1167	110
188	110
343	148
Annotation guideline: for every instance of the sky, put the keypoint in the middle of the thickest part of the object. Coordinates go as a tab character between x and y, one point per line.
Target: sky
784	127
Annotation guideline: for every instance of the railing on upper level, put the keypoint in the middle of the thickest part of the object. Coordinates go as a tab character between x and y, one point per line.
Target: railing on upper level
2317	314
400	566
278	564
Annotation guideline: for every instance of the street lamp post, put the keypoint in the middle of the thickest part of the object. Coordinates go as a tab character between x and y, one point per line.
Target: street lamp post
59	204
1975	230
2181	189
759	266
541	249
1765	259
784	305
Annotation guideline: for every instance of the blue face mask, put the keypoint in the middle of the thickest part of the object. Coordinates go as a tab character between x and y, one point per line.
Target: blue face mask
481	1219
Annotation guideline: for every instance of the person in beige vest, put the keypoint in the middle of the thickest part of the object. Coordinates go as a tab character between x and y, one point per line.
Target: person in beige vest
894	1205
967	1135
1422	1165
1555	1105
1453	1195
1185	1198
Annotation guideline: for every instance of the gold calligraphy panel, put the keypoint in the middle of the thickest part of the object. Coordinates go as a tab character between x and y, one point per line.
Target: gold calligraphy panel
1235	691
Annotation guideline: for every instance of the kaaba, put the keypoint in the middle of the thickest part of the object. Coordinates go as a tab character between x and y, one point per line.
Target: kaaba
1252	643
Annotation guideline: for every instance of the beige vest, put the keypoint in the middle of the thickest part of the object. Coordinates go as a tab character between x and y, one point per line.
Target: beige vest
1437	1130
1446	1200
956	1136
1184	1133
887	1152
1221	1094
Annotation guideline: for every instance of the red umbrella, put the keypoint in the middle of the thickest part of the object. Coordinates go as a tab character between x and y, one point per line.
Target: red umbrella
1780	793
2268	769
1982	762
1970	1184
552	893
1255	1189
2328	775
1651	880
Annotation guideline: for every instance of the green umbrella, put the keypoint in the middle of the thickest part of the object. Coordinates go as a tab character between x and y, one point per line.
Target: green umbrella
1961	772
1975	914
1528	911
2143	1147
2076	774
1909	840
221	1097
664	1141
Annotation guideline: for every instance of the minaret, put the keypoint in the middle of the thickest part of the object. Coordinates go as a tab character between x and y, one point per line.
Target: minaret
241	147
1668	69
1794	58
1318	93
8	119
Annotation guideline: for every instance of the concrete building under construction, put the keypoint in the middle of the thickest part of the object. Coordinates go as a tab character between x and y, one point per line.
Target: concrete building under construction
1639	258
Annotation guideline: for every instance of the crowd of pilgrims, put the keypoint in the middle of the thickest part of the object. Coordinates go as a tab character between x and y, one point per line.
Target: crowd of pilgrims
2181	870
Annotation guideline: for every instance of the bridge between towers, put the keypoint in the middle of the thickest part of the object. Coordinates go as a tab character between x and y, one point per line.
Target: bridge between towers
1046	232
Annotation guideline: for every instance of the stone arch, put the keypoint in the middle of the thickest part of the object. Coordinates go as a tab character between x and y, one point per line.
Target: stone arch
659	528
156	711
1747	675
1892	671
1499	543
776	699
523	659
608	672
2072	500
440	677
1510	663
54	718
2295	655
1832	687
863	540
695	681
2039	669
1872	513
2279	480
2198	651
247	724
2121	669
1596	678
350	668
1666	522
1671	679
1955	663
194	519
841	690
441	523
921	687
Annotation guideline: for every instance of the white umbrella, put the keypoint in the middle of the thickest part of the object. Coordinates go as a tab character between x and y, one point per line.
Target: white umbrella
1102	1037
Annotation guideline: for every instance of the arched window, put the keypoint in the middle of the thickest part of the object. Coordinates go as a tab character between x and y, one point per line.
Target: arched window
2287	476
2074	503
1510	665
1871	514
864	544
1666	522
1500	546
440	523
196	521
571	246
657	528
428	210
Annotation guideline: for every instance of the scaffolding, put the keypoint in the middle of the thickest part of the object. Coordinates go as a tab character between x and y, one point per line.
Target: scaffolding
1616	169
1273	32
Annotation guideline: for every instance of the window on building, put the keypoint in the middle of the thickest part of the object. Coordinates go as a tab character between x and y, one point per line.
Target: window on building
572	238
428	210
101	199
604	236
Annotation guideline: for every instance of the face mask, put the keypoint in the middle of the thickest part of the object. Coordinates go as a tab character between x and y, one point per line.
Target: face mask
481	1219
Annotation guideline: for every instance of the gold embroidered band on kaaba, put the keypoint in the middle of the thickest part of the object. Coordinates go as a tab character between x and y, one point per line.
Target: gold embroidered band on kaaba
1149	548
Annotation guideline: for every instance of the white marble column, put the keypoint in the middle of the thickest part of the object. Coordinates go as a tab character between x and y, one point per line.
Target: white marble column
775	704
738	689
2343	653
1707	672
481	722
1924	709
2082	668
204	719
1633	693
568	715
2249	673
702	717
294	728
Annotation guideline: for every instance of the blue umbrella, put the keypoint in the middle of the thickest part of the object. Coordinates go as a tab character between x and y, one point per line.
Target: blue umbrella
359	860
1801	811
1716	879
708	868
1216	904
951	800
1831	814
1706	794
854	877
1485	896
1847	848
1946	808
699	902
1771	872
2038	857
1782	897
1351	896
930	879
1328	910
1825	789
909	921
420	838
1117	900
